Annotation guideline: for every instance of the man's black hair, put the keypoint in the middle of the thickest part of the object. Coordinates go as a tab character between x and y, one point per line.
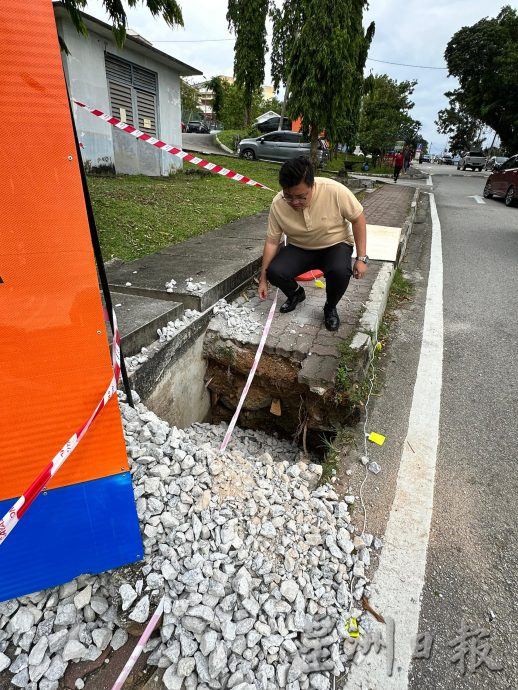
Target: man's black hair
295	171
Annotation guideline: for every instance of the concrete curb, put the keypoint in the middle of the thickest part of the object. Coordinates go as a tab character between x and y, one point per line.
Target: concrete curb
225	148
407	227
365	339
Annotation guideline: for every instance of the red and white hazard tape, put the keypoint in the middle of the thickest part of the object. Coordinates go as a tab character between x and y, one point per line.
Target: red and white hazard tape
140	646
15	513
251	375
173	150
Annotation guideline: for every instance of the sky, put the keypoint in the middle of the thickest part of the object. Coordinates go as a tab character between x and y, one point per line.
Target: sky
413	32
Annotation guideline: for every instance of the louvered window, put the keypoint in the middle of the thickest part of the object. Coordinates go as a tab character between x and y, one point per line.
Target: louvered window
133	93
121	102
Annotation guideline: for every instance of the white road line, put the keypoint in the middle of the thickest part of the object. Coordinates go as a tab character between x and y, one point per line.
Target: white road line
429	181
398	583
477	198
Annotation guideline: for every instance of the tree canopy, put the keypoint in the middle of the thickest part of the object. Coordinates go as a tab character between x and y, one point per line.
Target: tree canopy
168	9
233	106
247	18
463	129
385	116
189	96
484	58
319	52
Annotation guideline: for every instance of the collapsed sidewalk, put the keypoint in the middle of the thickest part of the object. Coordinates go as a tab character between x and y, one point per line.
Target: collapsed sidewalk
261	566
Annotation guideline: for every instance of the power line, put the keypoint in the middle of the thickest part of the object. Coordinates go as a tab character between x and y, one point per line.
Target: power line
404	64
200	40
219	40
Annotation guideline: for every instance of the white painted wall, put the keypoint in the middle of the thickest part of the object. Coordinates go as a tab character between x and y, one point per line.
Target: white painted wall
86	77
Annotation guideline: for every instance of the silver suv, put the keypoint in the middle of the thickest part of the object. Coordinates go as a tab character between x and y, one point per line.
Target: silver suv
472	159
280	146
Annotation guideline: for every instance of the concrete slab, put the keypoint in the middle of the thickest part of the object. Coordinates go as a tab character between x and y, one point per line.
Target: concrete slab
223	264
139	317
207	251
253	227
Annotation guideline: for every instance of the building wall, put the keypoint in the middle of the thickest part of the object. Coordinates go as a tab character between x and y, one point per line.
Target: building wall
86	77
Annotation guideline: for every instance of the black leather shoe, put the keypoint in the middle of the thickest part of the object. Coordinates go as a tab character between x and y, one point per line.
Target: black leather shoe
298	296
331	318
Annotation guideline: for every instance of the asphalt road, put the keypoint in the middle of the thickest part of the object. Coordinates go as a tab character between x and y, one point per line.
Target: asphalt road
471	568
472	565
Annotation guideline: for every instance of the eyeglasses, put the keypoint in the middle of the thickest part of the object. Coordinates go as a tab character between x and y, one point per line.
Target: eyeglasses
298	199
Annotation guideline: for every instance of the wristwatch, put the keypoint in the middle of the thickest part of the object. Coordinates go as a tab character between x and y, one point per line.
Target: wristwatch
365	259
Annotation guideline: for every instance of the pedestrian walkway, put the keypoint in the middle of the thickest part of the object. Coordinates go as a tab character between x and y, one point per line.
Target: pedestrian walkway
301	358
221	263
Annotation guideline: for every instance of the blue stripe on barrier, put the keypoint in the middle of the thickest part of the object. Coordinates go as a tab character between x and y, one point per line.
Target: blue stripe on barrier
84	528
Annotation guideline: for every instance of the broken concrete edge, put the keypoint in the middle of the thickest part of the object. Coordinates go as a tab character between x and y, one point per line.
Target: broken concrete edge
145	378
365	339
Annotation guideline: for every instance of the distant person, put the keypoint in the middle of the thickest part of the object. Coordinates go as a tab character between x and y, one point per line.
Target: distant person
407	157
322	220
398	165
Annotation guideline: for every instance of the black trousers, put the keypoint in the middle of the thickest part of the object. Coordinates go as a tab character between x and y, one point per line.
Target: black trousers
397	170
334	262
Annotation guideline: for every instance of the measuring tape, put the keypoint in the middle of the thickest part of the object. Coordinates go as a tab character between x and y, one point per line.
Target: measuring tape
16	512
140	646
251	375
173	150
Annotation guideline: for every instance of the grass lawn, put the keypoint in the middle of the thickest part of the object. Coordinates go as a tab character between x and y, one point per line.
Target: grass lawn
228	136
138	215
337	163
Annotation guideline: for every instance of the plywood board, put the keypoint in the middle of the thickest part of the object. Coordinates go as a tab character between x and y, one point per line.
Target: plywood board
382	242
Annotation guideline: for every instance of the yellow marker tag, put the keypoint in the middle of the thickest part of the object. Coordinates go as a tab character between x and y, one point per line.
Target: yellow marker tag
378	346
352	627
376	438
319	284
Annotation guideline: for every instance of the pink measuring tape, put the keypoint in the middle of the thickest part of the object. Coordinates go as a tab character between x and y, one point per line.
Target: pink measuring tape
16	512
173	150
140	646
251	375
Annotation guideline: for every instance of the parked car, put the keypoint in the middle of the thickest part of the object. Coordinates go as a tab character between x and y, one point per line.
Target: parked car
425	158
471	159
446	159
280	146
503	181
272	124
197	127
494	160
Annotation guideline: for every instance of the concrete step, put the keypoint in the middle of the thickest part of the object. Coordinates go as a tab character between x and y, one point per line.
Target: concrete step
224	260
139	317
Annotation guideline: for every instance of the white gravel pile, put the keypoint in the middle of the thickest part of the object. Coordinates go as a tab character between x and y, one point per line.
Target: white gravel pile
164	334
257	564
238	317
174	327
192	286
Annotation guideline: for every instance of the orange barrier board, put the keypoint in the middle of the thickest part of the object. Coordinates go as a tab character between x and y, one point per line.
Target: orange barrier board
54	356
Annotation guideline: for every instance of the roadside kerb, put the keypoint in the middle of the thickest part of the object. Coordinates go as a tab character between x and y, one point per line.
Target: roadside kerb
407	227
365	339
225	148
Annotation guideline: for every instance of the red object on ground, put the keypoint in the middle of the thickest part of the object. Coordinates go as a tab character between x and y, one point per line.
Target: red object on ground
310	275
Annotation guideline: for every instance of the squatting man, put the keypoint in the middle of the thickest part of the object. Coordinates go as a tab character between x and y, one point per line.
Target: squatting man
322	220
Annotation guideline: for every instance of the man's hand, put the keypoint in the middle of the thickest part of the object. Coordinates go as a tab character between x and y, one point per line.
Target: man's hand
262	290
359	269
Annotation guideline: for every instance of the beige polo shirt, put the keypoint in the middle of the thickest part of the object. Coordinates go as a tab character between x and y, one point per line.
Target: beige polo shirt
324	222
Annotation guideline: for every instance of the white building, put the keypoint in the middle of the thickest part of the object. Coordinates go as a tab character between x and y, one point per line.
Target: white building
137	84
